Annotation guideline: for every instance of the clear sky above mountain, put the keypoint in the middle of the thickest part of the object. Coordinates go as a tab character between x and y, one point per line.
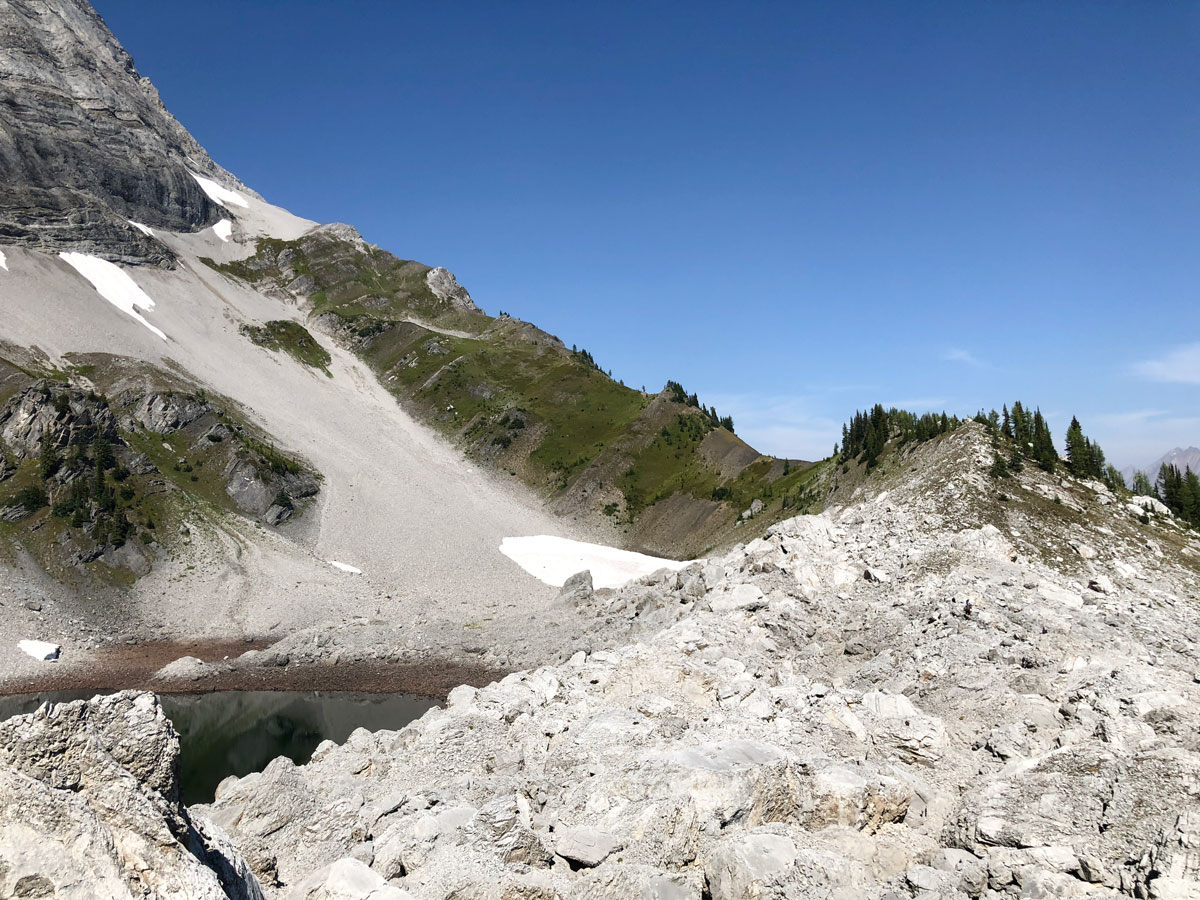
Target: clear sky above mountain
794	209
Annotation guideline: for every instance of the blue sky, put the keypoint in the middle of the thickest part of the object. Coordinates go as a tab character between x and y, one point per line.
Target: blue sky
794	209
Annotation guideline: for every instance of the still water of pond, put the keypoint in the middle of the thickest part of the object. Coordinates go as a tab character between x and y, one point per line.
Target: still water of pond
239	732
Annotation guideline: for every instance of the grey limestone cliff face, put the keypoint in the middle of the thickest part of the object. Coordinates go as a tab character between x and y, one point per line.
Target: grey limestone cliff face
85	142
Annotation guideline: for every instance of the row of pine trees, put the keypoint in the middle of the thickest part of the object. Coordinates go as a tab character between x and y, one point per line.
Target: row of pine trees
1179	491
867	433
1032	440
680	395
1029	439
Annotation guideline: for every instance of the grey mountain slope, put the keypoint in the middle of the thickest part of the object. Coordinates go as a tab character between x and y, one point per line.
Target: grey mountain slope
85	142
1180	457
396	501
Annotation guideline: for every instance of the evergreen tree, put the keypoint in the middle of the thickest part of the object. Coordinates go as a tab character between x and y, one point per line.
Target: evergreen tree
1169	483
1097	464
1078	455
1180	492
1189	498
1114	479
48	462
1043	443
1022	429
1142	486
102	453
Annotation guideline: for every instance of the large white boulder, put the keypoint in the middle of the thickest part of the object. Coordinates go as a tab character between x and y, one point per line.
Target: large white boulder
346	879
1151	504
89	807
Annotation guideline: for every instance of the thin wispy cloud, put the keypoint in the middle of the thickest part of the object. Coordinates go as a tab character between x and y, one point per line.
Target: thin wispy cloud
1180	365
959	355
1131	419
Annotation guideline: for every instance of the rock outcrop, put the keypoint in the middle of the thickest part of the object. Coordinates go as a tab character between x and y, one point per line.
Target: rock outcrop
921	693
46	414
443	284
86	144
89	807
888	700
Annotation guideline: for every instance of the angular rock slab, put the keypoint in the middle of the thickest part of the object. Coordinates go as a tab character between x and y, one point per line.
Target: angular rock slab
89	807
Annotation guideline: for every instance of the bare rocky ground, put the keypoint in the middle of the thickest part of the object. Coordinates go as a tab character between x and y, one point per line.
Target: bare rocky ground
929	691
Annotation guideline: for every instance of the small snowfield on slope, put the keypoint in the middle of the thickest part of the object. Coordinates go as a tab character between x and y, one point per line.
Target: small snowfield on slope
554	559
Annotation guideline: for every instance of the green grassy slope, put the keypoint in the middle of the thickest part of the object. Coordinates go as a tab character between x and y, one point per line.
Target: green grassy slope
517	398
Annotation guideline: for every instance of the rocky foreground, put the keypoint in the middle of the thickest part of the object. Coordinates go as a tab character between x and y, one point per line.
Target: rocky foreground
950	687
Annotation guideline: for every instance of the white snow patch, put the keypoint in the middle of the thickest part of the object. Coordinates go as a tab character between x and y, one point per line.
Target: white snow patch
554	560
114	285
144	229
344	567
3	261
223	229
218	194
41	650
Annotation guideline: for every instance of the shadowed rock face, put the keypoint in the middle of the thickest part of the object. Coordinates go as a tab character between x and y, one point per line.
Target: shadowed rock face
85	143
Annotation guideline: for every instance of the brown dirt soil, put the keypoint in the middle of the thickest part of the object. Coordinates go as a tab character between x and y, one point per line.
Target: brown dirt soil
133	666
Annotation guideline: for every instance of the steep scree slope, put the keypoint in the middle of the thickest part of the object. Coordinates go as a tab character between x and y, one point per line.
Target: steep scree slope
664	474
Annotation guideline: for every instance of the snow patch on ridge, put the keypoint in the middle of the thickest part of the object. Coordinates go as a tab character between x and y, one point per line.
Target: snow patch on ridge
345	567
553	560
144	229
223	229
114	285
3	261
218	194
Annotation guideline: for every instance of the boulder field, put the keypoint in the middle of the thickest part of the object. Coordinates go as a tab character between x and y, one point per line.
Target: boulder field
923	692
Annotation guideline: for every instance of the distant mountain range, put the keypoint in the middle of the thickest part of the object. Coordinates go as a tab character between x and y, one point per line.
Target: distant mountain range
1184	459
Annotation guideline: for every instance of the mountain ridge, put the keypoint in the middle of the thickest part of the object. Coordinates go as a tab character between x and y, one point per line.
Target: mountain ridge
175	291
1180	457
86	143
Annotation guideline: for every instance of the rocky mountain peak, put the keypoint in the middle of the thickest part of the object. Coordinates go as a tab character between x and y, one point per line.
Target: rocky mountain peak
1181	458
85	142
444	285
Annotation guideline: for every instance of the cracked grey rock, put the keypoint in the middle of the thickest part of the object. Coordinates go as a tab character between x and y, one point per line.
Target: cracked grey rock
445	286
86	144
89	807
